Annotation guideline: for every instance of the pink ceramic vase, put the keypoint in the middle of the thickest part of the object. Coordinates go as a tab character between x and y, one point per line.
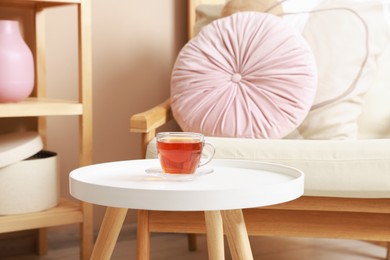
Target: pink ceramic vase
16	64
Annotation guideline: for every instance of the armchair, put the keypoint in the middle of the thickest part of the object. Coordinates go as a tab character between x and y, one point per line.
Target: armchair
347	182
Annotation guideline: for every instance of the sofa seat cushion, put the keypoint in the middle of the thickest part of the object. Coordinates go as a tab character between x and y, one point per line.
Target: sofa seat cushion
359	169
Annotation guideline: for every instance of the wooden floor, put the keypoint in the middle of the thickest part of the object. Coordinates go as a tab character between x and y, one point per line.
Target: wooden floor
63	246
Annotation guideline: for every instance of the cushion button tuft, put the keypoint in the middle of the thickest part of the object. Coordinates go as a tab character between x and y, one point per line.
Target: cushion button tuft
236	77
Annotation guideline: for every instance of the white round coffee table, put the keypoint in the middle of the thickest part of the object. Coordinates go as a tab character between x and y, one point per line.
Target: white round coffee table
232	186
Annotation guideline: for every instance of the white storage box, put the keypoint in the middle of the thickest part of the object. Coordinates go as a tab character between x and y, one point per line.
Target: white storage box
29	177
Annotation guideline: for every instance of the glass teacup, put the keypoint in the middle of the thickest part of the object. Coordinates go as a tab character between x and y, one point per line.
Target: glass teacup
180	153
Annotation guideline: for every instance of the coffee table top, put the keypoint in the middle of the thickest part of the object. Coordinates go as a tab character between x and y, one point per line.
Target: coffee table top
234	184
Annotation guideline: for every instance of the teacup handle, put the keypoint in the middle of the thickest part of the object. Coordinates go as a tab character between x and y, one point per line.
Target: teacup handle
210	154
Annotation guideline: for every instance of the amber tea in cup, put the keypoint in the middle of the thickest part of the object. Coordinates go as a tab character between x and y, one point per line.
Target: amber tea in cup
181	152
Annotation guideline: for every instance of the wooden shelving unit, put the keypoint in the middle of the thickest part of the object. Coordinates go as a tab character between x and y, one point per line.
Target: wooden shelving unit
40	106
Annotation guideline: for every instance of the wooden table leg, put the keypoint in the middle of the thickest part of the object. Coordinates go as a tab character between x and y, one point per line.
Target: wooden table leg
237	235
108	234
214	233
143	235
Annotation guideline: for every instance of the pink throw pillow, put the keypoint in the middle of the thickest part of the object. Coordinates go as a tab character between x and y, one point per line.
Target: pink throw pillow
247	75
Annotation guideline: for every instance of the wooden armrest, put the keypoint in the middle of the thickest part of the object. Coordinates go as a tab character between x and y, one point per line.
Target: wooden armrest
151	119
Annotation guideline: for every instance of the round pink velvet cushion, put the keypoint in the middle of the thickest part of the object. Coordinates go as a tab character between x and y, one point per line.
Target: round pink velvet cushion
247	75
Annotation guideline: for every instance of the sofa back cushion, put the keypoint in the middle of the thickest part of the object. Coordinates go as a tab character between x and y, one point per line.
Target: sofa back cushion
348	38
350	42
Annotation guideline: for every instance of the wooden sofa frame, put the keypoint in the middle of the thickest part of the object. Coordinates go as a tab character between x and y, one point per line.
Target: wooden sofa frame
308	216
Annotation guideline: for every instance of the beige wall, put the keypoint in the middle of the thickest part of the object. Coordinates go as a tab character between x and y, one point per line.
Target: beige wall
134	47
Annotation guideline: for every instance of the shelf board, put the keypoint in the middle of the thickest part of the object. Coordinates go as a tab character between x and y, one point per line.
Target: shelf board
57	2
66	212
40	107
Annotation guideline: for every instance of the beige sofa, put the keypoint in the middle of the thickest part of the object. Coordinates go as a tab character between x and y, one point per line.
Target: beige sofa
347	182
